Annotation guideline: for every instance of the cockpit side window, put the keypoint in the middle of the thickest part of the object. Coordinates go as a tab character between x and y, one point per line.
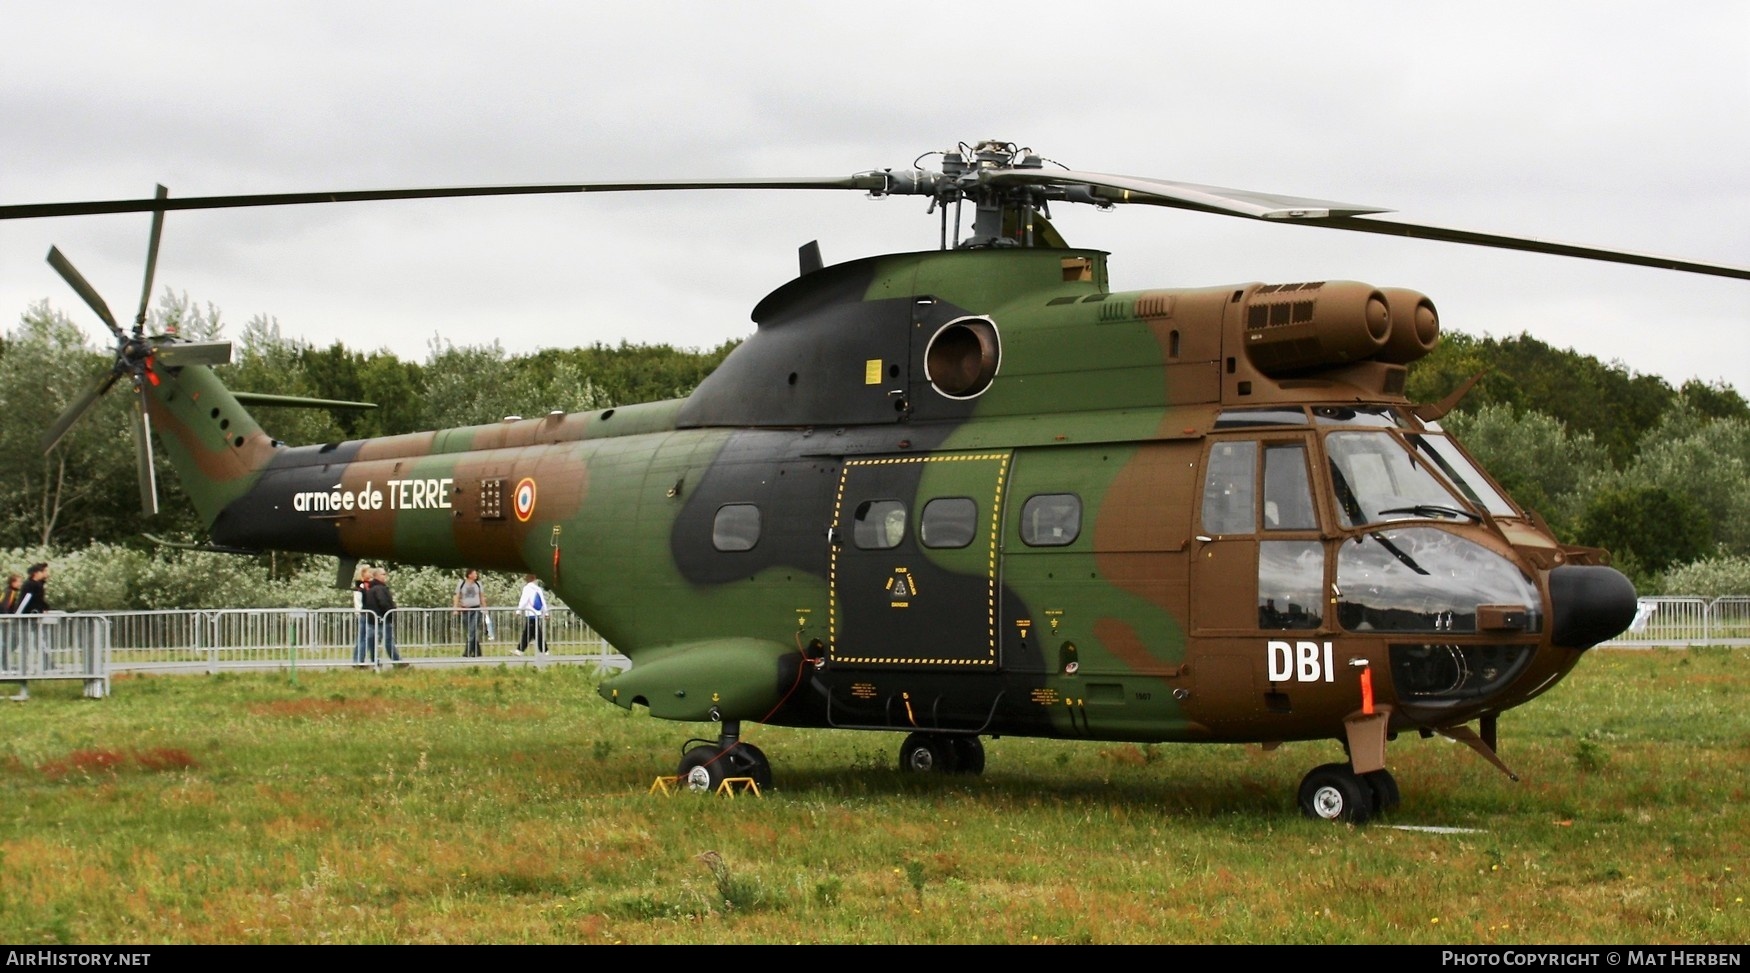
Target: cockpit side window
1229	488
1288	503
1257	493
1230	497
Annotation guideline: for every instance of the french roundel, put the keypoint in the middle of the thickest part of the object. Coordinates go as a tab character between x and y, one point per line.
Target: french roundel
524	499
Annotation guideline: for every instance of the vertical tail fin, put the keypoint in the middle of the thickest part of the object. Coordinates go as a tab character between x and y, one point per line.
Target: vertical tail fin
218	448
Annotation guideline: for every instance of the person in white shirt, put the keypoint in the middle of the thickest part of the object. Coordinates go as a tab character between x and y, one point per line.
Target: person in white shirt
534	609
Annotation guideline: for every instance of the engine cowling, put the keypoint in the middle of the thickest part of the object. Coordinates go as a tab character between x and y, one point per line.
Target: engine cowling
1415	326
1291	328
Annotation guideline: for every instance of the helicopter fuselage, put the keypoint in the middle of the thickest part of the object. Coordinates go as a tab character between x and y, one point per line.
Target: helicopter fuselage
975	492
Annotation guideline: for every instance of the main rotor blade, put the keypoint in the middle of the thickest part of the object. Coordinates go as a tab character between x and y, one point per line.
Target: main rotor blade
1185	195
1335	215
864	181
193	353
77	409
151	263
143	456
72	276
1088	187
1530	244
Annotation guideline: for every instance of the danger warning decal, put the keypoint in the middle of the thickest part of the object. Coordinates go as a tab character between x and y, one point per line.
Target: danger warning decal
901	588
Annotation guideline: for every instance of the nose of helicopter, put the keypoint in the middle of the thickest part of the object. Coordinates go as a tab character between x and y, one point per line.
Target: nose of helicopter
1589	603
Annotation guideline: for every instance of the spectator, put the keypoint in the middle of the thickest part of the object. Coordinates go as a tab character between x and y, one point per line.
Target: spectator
533	606
33	599
361	583
380	602
9	600
470	603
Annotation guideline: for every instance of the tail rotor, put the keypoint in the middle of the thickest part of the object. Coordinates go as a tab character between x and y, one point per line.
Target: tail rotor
135	356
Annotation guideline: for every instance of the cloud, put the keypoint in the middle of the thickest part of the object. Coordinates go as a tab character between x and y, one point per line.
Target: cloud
1619	128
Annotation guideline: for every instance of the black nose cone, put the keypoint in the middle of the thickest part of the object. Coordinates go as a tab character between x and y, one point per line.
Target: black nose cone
1589	604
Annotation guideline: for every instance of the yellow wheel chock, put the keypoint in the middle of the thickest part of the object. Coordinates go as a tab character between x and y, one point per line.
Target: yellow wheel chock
730	785
727	787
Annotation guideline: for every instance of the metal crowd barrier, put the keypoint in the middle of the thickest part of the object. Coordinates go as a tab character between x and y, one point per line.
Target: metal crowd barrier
1686	621
91	645
55	646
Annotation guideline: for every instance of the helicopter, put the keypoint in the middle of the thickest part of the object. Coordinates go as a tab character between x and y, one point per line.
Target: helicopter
970	492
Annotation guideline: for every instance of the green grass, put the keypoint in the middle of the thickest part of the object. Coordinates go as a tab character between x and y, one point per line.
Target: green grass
498	805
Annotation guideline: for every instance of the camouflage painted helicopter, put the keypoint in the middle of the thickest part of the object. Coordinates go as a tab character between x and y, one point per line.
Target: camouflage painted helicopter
973	492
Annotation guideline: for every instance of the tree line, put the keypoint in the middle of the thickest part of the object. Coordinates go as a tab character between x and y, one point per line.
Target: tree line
1606	456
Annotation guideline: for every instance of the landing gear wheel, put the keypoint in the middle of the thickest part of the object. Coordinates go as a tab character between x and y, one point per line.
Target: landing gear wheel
747	760
1334	792
702	769
968	755
1385	790
926	753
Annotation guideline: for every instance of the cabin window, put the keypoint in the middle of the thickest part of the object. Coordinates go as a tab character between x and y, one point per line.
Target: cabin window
948	522
879	525
1291	575
737	527
1051	519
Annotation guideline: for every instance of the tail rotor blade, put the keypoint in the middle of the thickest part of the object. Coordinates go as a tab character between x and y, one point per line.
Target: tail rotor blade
151	262
194	353
143	455
73	277
78	409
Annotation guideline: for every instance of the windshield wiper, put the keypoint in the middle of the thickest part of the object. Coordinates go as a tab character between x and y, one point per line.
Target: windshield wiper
1432	510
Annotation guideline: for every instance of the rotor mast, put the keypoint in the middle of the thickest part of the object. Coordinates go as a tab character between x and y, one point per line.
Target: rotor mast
1006	210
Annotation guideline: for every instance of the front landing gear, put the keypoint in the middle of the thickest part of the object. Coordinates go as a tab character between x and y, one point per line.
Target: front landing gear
1334	792
704	765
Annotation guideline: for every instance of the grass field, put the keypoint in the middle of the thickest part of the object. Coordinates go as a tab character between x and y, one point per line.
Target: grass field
492	805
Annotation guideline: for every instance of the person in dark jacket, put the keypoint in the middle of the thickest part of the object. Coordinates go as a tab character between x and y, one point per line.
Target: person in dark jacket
33	599
380	601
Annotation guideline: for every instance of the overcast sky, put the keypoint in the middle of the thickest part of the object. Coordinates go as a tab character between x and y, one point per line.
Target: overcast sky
1622	125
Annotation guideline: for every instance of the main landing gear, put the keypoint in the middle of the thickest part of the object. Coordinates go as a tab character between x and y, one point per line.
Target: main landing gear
704	765
1335	792
941	753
